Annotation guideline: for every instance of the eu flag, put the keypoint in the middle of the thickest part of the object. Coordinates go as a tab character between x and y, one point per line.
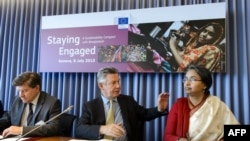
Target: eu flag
123	20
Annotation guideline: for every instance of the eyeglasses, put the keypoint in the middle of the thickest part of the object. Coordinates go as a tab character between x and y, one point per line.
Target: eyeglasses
192	79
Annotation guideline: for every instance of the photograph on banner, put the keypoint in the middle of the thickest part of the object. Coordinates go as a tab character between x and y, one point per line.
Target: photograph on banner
173	46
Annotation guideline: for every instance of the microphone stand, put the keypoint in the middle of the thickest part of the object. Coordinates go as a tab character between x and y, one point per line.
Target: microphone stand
66	110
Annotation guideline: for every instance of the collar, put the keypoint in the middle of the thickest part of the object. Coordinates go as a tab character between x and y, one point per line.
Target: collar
34	102
106	100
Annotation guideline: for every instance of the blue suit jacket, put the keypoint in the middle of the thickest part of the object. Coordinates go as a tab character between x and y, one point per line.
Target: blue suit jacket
94	116
47	107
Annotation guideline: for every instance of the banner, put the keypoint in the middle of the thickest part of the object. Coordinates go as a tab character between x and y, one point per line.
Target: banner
140	40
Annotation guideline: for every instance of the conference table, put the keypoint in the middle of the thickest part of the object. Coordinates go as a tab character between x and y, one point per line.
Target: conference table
48	139
55	138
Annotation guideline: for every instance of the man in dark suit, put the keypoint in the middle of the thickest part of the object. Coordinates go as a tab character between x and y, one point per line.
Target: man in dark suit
1	109
1	119
42	108
127	112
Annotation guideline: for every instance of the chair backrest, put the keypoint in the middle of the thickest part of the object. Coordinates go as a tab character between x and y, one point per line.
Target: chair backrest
66	124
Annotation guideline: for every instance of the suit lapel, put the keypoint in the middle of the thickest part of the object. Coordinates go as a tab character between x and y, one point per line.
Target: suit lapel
124	109
38	108
20	113
100	111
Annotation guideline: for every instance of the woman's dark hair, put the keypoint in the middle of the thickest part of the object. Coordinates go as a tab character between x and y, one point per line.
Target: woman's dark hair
219	32
205	75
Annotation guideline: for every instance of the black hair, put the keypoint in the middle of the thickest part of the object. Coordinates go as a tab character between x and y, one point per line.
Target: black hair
205	75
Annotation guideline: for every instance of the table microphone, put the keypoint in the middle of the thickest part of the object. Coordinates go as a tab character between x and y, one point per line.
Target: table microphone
56	116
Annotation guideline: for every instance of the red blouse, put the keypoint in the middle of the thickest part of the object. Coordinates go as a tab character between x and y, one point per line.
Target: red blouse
178	121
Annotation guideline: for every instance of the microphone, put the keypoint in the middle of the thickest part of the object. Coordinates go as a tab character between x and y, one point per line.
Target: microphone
56	116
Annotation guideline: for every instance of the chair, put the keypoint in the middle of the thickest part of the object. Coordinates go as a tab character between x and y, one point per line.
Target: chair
66	124
4	121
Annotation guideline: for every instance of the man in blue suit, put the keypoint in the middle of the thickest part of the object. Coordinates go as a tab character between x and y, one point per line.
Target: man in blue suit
42	108
127	112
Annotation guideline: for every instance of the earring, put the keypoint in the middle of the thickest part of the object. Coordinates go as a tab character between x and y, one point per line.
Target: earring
204	90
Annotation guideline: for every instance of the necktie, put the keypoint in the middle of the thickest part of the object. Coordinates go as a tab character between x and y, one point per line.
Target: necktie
110	117
30	115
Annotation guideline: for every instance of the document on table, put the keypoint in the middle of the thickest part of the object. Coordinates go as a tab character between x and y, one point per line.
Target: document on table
12	138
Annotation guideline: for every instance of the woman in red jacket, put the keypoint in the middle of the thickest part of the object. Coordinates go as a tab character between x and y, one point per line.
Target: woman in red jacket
200	116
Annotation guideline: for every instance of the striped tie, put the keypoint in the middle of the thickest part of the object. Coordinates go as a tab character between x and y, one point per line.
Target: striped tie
30	115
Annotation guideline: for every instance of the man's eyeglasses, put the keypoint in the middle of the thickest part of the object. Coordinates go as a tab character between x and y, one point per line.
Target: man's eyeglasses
191	80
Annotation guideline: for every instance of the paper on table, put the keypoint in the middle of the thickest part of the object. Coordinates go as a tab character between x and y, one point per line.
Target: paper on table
12	138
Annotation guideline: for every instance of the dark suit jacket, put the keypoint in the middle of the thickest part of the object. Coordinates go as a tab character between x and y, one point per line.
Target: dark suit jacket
93	117
2	119
1	109
47	107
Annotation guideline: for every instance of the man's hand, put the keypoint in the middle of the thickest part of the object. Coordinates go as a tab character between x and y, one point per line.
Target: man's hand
114	130
12	130
163	101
